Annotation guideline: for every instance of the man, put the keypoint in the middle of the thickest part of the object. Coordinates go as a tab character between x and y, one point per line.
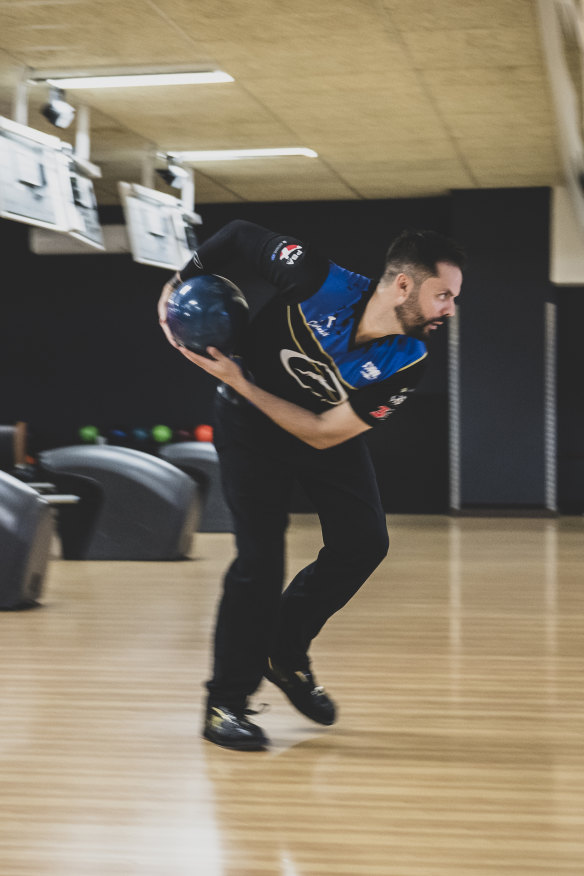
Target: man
330	356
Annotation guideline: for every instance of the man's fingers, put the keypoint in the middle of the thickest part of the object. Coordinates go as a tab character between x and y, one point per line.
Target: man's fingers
162	307
216	354
167	333
167	291
208	365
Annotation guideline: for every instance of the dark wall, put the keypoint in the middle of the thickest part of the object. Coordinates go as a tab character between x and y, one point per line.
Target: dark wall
502	391
80	343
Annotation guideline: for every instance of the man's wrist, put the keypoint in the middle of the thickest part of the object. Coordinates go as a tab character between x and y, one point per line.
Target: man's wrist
242	386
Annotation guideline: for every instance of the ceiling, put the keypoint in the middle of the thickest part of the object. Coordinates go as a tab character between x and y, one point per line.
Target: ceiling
400	98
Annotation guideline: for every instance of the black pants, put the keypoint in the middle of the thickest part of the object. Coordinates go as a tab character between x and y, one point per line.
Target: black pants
259	463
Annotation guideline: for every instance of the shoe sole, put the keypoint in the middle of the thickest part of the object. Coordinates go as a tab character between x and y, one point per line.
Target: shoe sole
240	746
275	681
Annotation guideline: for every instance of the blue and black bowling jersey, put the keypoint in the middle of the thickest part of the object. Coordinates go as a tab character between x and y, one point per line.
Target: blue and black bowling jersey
301	345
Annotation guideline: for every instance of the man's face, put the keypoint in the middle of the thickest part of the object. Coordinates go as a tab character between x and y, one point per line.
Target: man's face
430	302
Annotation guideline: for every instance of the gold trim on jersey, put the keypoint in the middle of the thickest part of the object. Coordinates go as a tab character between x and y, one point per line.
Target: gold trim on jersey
333	365
323	351
409	365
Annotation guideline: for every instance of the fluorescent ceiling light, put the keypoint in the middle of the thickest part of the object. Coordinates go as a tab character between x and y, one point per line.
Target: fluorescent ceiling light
237	154
133	80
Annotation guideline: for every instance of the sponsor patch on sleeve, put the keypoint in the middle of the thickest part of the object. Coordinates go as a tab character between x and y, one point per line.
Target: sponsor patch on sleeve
289	253
383	411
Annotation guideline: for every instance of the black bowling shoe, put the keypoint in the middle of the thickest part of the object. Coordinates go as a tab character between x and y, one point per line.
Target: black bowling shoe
303	692
231	729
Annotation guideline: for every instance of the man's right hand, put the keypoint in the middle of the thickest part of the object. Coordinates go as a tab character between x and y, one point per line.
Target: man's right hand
167	291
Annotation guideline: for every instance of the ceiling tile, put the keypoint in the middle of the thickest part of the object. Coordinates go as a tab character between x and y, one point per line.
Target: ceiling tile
489	47
505	90
399	97
452	14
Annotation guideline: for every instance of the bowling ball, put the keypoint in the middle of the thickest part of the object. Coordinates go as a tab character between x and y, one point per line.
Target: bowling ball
203	433
140	434
161	434
183	435
207	311
89	434
117	436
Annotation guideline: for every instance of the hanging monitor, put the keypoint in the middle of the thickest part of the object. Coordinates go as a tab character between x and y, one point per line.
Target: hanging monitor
32	176
81	208
160	230
42	183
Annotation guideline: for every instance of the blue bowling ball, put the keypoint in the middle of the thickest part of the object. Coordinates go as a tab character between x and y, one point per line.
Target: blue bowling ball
140	434
207	311
117	436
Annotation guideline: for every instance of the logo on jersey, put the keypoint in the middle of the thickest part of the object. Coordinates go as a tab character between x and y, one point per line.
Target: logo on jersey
314	376
291	253
319	328
383	411
370	371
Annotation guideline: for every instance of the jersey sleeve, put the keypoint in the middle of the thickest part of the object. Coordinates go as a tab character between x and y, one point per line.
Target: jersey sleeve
379	401
295	269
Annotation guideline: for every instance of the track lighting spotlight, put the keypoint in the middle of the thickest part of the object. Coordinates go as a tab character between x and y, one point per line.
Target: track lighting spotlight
173	174
57	110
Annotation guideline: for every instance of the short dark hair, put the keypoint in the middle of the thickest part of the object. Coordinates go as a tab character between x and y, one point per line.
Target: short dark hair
418	252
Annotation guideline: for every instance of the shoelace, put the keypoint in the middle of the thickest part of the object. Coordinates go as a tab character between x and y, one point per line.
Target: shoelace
262	707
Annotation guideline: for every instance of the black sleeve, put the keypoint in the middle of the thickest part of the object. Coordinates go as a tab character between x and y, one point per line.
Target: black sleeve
375	403
295	269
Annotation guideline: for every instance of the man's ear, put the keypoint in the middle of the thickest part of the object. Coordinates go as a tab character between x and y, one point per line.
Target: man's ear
403	287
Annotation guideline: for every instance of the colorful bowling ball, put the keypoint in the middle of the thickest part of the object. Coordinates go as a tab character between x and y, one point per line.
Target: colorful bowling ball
117	436
89	434
203	433
183	435
162	434
140	435
207	311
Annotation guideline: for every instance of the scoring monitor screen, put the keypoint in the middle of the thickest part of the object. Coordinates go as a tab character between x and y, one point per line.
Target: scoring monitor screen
31	178
159	234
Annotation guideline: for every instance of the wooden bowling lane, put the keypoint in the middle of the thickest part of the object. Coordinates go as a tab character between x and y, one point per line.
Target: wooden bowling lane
458	671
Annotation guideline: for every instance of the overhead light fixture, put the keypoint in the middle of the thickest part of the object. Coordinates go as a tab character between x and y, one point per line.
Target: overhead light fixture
57	110
135	80
240	154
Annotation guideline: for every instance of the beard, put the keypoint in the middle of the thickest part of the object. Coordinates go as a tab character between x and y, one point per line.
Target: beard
412	319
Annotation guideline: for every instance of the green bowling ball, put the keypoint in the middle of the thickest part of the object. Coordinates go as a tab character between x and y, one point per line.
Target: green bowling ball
88	434
161	434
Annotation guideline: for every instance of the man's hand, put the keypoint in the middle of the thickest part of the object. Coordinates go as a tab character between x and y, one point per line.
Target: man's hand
167	291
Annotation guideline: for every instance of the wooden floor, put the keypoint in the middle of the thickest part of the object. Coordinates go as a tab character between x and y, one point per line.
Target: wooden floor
459	674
